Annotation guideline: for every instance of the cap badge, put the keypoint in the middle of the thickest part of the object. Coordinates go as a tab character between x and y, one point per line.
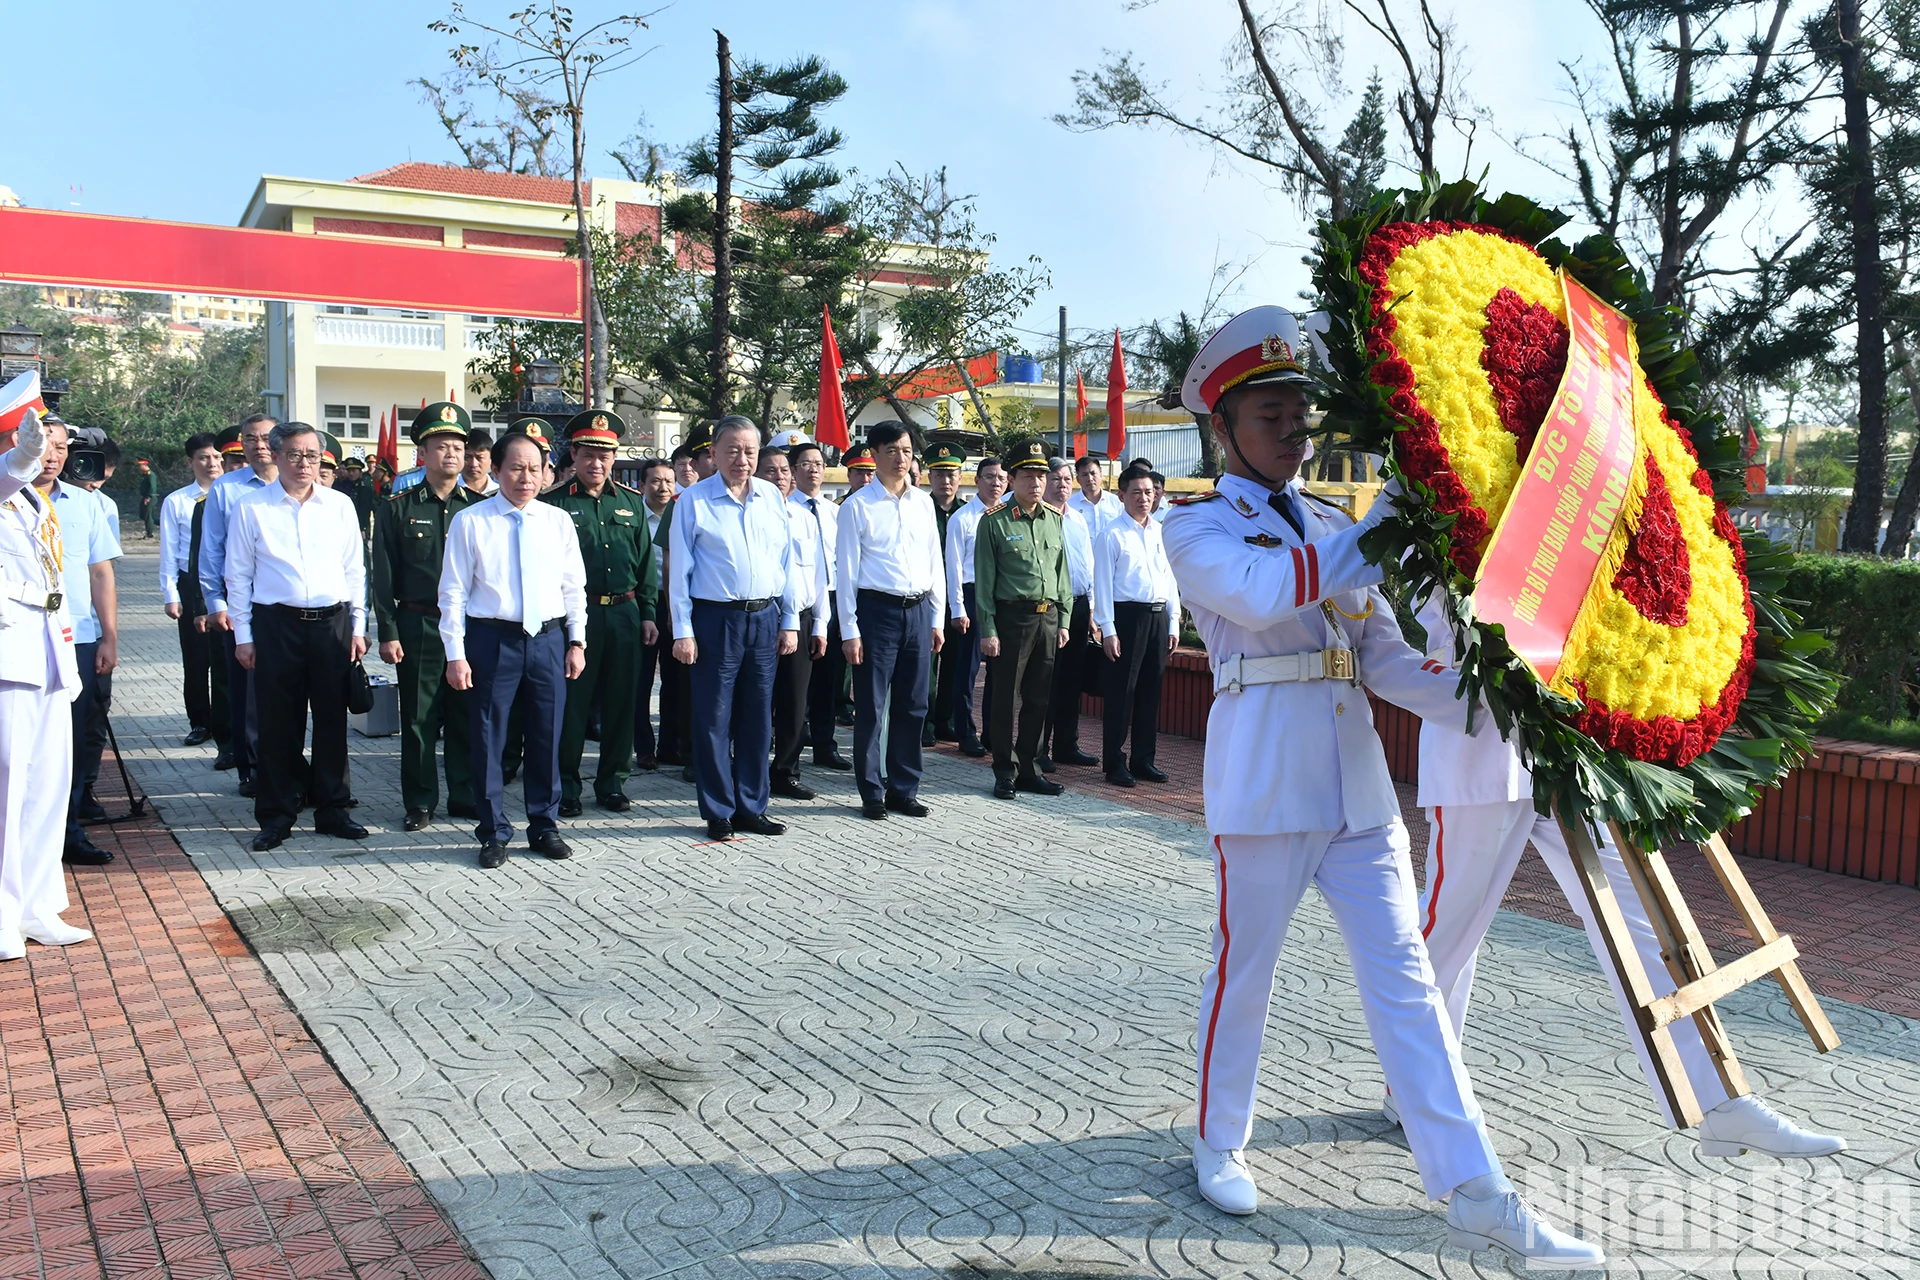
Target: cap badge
534	432
449	413
1274	347
599	422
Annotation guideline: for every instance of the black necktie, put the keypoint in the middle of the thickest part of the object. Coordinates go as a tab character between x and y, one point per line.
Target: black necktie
1283	503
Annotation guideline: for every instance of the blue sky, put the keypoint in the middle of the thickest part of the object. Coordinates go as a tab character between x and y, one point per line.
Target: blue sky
170	111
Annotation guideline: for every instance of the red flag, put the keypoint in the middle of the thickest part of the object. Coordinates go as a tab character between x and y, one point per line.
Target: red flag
1079	398
389	446
1116	401
830	419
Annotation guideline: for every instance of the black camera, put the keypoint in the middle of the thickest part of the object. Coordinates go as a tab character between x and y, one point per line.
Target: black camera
85	466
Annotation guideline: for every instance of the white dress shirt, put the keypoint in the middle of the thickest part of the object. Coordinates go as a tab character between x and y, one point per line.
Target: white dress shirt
889	544
1098	514
1130	565
227	492
963	526
281	550
825	514
727	548
480	577
1079	552
811	578
176	537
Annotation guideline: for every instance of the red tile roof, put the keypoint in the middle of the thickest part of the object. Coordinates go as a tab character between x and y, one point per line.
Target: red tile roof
419	176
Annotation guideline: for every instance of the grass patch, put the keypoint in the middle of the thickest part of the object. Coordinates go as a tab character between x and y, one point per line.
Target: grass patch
1859	728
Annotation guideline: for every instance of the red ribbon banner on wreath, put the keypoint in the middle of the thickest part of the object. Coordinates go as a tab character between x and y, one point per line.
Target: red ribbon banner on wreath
1543	556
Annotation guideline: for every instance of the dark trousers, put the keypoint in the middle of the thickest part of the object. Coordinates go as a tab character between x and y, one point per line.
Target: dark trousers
1022	672
605	685
196	690
222	705
732	688
652	658
792	686
1132	692
896	644
241	710
82	709
942	668
428	708
966	669
300	667
824	690
1069	671
95	747
512	669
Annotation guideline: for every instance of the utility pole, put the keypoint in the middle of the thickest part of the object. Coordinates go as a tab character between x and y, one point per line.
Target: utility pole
1063	382
722	233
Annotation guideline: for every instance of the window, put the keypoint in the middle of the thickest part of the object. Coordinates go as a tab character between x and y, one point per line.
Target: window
345	311
416	315
350	421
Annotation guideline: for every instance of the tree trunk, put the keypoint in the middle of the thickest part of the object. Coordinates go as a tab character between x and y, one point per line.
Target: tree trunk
591	335
1666	276
1211	463
892	396
722	233
1906	505
973	393
1870	470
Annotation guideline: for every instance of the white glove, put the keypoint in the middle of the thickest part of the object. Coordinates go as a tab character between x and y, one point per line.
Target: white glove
1383	502
32	439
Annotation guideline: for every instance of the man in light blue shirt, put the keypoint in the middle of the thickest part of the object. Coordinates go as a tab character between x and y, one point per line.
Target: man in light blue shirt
735	609
256	434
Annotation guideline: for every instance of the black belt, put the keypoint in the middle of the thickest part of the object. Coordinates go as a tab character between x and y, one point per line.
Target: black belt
414	606
743	606
297	614
888	598
508	624
622	598
1025	606
1151	606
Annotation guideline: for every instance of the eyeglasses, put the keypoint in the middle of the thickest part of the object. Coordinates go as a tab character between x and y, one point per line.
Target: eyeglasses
302	459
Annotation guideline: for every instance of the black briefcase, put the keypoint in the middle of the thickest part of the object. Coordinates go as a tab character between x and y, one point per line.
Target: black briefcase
359	690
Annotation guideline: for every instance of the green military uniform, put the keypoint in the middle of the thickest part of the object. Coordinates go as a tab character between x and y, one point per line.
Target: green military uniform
939	457
622	583
1020	579
409	541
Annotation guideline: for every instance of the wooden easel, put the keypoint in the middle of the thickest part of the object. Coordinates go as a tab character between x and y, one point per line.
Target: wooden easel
1700	980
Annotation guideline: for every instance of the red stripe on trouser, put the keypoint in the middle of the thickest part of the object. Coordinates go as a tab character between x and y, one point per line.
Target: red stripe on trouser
1299	578
1313	573
1219	986
1439	868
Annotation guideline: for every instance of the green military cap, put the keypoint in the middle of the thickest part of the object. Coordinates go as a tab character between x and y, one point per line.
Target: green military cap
859	458
230	442
535	429
944	454
1027	456
698	438
441	418
330	450
353	462
596	426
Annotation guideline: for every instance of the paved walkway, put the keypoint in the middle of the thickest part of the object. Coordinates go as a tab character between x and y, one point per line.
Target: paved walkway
960	1047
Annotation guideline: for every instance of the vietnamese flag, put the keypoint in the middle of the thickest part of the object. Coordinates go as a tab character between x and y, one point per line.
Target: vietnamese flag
830	418
1116	401
18	396
1079	414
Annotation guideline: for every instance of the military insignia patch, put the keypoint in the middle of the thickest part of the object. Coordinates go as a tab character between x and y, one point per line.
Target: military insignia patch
1274	347
1246	508
1266	540
1191	498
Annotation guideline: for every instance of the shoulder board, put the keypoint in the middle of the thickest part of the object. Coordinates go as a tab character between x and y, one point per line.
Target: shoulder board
1191	498
1059	511
1329	504
627	488
995	507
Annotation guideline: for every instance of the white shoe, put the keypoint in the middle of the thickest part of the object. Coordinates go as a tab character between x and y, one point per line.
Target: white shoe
53	933
1224	1179
12	946
1509	1224
1391	1112
1748	1124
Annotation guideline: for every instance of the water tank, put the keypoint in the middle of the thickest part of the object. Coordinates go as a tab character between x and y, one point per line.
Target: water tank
1022	369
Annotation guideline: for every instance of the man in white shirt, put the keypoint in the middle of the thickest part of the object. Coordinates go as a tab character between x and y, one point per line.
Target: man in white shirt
989	484
892	598
734	607
1093	502
296	583
257	473
513	620
176	588
656	494
476	471
793	672
1159	496
1062	741
823	689
1136	605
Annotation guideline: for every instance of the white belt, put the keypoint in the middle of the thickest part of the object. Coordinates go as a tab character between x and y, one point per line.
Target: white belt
32	597
1237	671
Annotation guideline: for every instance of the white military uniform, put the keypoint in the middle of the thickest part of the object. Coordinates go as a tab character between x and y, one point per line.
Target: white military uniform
38	681
1284	810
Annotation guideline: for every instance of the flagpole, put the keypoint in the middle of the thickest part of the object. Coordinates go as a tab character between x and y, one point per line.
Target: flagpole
1063	380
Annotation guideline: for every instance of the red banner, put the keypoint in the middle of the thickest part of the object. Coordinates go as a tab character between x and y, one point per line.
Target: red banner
41	246
1541	561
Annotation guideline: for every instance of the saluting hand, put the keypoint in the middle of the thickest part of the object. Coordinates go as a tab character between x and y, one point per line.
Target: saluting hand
459	674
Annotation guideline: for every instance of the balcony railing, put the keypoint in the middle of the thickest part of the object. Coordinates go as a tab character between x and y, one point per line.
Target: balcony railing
360	331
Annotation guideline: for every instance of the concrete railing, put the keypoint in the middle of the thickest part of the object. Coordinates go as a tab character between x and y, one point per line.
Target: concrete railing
363	331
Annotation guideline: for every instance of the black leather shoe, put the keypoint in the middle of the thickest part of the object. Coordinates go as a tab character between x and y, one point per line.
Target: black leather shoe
719	829
462	811
570	809
973	749
246	788
1075	756
945	733
873	809
1043	763
926	738
1147	773
906	804
615	803
550	844
758	824
794	790
686	774
1003	789
1119	777
493	854
342	828
417	820
199	735
830	758
268	840
92	810
223	760
85	853
646	764
1039	786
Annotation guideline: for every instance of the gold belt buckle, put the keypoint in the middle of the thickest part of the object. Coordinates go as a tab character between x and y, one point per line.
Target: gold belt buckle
1339	663
1041	607
53	601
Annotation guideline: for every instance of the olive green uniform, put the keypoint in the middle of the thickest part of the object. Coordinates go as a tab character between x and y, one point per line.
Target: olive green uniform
1020	579
622	583
410	538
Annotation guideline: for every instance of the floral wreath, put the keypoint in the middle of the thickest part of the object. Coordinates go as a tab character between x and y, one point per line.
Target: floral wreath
1685	687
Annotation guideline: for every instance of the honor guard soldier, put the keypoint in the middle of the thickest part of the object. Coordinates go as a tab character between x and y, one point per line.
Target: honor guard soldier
1297	790
409	543
610	521
859	464
1025	594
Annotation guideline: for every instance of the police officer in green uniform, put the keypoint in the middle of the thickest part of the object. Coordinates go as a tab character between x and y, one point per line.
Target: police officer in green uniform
1020	579
409	539
943	463
622	583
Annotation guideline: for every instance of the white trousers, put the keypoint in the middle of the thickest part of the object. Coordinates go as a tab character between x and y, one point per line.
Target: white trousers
1470	859
1366	878
36	770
